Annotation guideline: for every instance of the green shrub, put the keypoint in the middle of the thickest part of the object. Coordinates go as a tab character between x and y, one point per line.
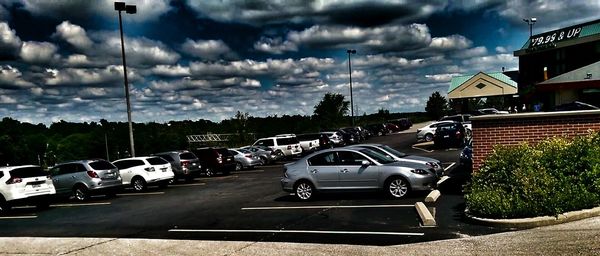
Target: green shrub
555	176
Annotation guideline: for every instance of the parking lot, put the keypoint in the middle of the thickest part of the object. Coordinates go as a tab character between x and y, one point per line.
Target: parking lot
249	205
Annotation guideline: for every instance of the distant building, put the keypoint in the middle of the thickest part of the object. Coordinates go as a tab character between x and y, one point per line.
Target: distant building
500	86
561	66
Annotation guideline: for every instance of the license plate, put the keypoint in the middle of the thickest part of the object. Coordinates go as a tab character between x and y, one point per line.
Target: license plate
36	185
164	169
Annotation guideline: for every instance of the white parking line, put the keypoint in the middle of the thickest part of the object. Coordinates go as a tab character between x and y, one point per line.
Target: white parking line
188	185
75	205
328	207
24	207
141	194
444	178
449	166
254	171
18	217
296	232
422	149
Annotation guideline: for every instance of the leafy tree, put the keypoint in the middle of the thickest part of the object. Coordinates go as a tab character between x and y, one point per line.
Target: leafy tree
383	114
330	111
437	106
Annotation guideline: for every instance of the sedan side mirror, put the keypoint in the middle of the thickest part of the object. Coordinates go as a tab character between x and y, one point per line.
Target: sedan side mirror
365	163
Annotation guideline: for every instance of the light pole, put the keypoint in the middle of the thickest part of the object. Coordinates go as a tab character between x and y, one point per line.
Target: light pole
130	9
351	51
530	22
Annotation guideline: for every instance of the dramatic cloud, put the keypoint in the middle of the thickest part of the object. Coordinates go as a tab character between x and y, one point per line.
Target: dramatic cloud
38	52
9	41
73	34
208	49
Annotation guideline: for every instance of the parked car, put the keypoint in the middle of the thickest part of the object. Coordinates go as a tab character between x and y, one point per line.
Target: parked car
427	132
354	169
402	123
355	133
284	145
335	137
398	156
140	172
267	155
377	129
24	185
392	127
185	164
449	135
575	105
83	178
465	119
245	159
465	159
325	142
347	137
215	160
491	111
364	132
309	142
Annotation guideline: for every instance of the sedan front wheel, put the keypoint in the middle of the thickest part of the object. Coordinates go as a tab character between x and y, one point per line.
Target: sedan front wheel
304	190
397	187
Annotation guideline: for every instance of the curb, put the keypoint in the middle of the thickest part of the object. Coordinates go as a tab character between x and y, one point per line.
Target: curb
537	221
426	217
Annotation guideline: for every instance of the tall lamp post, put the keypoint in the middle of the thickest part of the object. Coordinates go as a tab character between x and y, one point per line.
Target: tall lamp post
351	51
130	9
530	22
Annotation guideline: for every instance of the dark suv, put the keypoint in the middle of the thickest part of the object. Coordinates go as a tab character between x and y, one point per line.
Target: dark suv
215	160
184	163
449	135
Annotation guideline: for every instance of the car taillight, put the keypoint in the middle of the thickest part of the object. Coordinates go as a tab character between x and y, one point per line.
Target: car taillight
185	163
220	158
289	147
92	174
14	180
149	169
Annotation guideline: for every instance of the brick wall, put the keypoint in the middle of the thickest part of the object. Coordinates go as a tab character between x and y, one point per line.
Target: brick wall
513	129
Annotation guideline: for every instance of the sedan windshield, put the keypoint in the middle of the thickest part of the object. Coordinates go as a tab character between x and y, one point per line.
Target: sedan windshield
377	156
393	151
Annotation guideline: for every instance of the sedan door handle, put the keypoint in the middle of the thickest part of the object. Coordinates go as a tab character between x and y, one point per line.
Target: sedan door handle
344	171
314	171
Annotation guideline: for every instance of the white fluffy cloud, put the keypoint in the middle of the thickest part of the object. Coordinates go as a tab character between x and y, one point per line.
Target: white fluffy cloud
73	34
9	41
38	52
207	49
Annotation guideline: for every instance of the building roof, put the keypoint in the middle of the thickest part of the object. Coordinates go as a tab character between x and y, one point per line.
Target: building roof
481	85
459	80
588	30
584	74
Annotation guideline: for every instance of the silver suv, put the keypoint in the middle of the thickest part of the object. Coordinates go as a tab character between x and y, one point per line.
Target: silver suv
22	185
185	164
80	179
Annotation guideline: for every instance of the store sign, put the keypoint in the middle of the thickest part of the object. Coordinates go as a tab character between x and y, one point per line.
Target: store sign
549	40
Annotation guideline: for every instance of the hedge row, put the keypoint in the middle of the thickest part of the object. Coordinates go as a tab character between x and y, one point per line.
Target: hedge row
555	176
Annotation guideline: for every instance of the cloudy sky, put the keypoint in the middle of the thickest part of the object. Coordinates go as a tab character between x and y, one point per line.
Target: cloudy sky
207	59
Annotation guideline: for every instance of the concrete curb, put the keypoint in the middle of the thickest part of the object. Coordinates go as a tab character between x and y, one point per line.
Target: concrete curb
432	196
426	217
537	221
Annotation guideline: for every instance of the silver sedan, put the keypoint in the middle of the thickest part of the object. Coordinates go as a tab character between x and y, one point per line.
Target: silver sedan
354	169
402	157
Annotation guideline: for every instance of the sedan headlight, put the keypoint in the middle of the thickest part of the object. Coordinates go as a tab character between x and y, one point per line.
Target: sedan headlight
420	171
432	165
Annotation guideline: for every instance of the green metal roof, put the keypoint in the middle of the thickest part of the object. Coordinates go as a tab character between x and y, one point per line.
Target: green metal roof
459	80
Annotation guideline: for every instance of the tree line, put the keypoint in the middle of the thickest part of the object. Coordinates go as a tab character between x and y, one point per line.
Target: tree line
25	143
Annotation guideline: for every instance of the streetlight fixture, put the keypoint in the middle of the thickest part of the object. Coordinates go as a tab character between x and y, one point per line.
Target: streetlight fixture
130	9
351	51
530	22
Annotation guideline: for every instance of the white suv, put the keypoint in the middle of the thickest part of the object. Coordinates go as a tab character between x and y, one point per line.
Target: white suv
284	145
138	172
22	185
